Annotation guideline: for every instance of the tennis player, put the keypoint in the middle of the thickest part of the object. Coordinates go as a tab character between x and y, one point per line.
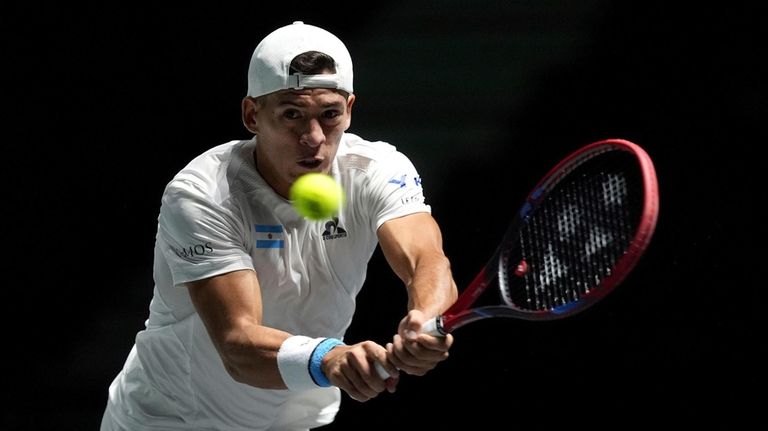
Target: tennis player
251	301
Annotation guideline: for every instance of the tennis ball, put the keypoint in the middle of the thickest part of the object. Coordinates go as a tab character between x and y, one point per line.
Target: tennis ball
316	196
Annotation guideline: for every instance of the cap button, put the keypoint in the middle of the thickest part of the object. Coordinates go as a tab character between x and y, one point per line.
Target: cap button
298	22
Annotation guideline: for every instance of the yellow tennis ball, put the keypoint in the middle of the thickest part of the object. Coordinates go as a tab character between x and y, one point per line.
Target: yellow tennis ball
316	196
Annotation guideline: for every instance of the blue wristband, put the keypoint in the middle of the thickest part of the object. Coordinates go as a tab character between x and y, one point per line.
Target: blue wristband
316	359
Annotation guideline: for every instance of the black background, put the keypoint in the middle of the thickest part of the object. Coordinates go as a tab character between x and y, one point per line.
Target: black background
105	104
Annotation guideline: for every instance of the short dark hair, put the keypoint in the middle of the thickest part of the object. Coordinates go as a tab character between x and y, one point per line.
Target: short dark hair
312	63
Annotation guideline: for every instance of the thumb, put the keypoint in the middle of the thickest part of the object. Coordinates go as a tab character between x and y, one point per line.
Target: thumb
410	326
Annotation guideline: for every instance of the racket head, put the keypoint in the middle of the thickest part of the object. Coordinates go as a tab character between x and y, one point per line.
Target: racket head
581	230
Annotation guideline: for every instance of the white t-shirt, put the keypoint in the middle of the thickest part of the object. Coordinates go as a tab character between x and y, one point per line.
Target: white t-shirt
218	215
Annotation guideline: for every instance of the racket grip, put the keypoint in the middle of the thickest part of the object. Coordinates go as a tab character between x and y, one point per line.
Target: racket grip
430	327
381	371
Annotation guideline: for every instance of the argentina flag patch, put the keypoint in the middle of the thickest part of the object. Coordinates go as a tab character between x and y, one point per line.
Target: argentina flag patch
269	236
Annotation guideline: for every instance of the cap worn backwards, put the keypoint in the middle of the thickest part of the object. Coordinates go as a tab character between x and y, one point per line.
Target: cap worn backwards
269	70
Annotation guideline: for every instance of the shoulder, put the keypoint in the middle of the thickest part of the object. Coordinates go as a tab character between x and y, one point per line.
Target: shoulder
355	145
358	153
207	174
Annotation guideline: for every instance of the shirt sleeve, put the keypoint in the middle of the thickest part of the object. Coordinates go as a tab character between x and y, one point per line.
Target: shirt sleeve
198	236
395	189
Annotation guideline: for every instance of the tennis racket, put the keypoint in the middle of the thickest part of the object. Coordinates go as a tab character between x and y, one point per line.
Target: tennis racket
579	233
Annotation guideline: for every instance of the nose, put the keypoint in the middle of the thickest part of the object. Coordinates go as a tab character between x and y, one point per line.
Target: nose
313	136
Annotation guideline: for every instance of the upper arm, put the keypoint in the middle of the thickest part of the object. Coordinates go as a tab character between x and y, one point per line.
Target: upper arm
227	301
199	236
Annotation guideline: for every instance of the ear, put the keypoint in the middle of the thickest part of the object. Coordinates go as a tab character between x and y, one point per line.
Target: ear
350	102
250	109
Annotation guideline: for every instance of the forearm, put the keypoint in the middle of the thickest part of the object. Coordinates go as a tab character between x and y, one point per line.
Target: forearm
431	288
268	358
299	362
230	307
413	246
249	354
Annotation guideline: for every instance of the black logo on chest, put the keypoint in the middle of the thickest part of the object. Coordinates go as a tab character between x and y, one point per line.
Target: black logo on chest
333	230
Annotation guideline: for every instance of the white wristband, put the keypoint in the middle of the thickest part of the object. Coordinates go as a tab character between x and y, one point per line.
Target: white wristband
293	362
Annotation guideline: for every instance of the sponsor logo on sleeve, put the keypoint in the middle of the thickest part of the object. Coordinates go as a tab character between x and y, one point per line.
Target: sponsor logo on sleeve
191	251
403	181
412	186
416	198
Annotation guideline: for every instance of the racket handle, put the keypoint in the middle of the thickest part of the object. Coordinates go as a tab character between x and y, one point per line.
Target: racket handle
430	327
381	371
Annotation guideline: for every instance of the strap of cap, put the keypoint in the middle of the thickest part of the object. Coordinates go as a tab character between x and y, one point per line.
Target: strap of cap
324	80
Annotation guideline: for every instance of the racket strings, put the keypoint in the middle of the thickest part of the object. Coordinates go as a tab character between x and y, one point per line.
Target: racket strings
573	239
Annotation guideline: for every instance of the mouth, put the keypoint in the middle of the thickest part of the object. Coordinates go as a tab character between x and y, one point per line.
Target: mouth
310	163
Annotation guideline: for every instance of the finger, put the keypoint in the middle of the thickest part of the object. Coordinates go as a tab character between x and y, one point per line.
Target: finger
382	365
358	388
434	343
344	383
397	353
391	384
406	361
375	367
362	382
426	349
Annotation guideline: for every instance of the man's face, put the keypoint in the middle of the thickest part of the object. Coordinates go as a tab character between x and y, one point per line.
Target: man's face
298	132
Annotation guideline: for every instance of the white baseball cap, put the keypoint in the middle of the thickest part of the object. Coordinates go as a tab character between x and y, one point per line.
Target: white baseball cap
269	68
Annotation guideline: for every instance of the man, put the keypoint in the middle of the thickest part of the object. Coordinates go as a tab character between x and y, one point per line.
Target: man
251	300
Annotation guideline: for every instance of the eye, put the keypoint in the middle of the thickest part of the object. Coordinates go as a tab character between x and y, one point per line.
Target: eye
331	114
292	114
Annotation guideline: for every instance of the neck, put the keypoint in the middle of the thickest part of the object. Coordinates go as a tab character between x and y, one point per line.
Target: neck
269	174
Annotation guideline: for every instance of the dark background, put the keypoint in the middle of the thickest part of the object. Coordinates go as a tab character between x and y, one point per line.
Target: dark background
104	105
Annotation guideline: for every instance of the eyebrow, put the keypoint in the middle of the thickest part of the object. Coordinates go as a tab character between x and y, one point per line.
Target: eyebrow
293	102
